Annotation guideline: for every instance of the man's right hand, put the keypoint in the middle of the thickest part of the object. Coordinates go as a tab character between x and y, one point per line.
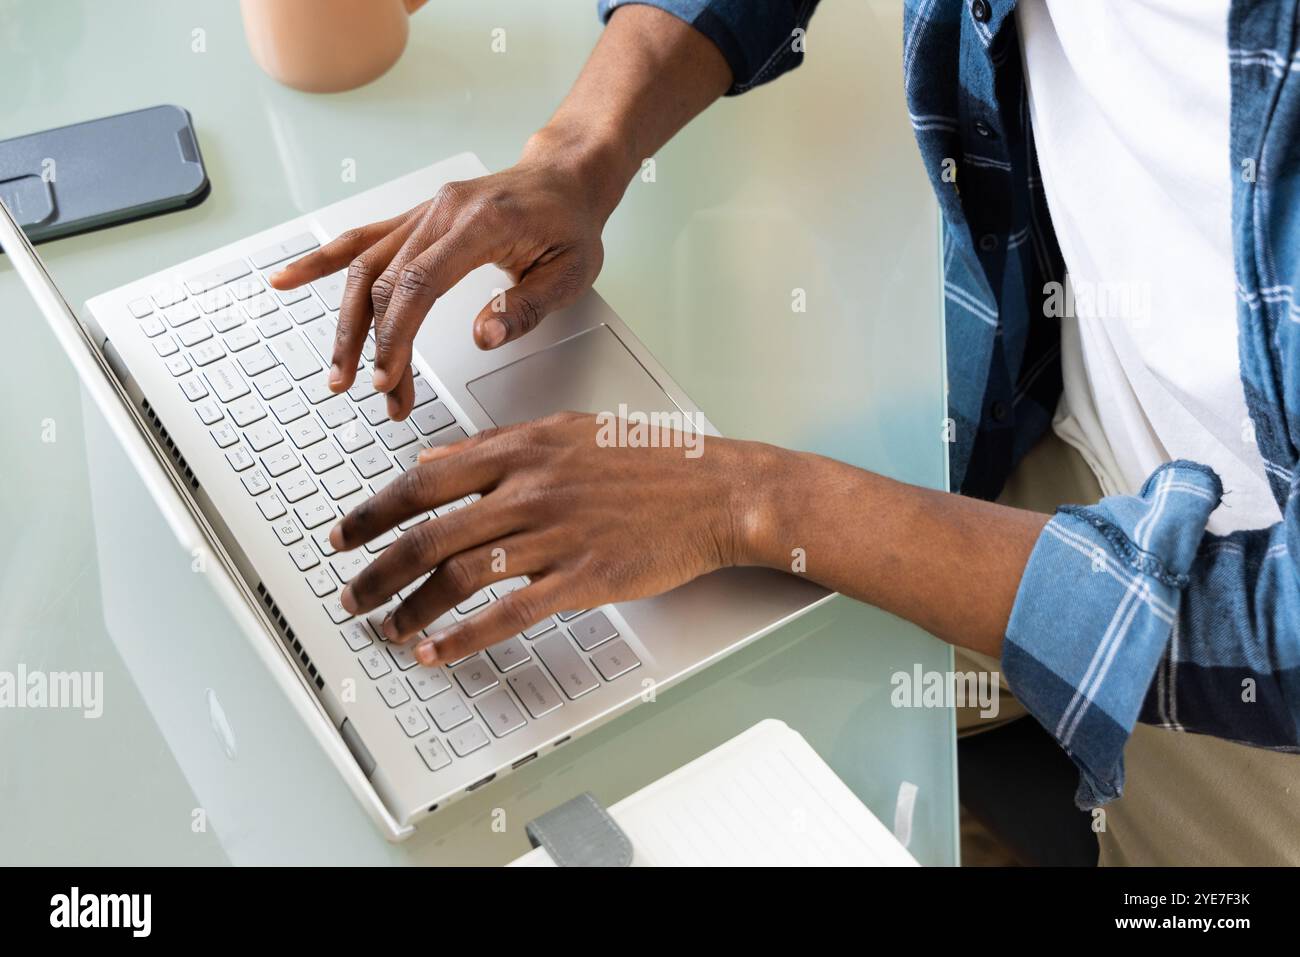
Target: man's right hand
538	221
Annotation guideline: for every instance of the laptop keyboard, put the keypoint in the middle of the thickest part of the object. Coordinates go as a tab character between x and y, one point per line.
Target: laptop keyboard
252	362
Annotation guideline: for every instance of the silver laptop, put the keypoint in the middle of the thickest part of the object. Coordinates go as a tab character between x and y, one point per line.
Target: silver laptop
215	384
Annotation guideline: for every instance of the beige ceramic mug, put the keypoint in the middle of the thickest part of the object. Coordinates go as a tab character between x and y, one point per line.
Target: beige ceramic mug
324	46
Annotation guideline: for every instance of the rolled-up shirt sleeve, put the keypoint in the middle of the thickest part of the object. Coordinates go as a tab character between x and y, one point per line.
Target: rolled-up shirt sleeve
760	39
1129	610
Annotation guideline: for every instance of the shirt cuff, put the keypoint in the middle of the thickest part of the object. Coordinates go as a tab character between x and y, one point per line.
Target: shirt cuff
757	38
1096	608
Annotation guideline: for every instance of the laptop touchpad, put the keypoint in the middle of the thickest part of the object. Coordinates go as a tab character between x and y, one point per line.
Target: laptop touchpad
591	372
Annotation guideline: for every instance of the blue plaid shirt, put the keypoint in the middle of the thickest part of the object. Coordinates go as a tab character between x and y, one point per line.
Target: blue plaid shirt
1128	609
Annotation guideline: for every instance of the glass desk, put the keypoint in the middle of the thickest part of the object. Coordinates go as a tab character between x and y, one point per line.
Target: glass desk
809	184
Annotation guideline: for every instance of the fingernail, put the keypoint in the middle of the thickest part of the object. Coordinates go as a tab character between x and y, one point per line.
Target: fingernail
336	537
347	601
275	276
393	408
389	627
494	333
381	381
426	653
336	374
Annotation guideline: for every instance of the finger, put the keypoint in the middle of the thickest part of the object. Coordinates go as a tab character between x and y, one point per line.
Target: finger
498	621
333	256
417	490
402	399
519	310
462	575
420	549
416	285
355	308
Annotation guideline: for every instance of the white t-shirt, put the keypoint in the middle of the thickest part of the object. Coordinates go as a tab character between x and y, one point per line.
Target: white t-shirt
1129	102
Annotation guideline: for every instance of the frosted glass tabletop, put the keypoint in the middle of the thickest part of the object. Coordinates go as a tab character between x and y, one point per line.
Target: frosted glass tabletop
783	264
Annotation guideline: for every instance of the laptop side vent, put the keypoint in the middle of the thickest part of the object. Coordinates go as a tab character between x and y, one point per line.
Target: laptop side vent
156	424
278	617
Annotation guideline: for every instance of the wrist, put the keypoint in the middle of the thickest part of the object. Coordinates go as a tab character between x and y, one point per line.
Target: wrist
594	158
758	483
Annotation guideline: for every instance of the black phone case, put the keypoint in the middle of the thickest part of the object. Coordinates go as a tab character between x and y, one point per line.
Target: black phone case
103	172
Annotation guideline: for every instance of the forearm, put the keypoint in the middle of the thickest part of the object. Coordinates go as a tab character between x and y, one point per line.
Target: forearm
952	565
648	76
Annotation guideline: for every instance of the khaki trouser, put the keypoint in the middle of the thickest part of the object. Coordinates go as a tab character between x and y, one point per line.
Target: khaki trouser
1188	799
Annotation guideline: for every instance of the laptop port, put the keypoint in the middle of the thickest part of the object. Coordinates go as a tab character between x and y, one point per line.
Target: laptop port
479	783
524	760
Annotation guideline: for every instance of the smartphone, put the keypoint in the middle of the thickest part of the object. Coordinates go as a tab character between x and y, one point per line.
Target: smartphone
102	172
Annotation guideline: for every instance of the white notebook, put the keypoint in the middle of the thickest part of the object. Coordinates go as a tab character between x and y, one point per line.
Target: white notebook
763	798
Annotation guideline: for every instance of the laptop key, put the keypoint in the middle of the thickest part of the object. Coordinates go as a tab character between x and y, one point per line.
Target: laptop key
272	508
500	714
394	693
432	418
334	608
245	411
374	409
228	272
316	388
541	628
340	482
295	354
448	711
322	457
565	665
208	353
423	392
295	487
181	313
314	512
614	659
293	246
257	360
165	296
303	556
166	346
348	566
375	663
274	324
305	432
403	655
475	676
321	333
508	654
395	434
434	754
336	411
224	436
305	311
473	602
255	481
140	307
194	333
357	635
427	682
273	384
287	532
226	319
152	326
353	436
178	365
279	462
288	407
412	720
242	337
534	691
288	297
370	462
448	436
592	630
262	436
330	289
363	386
467	740
239	459
209	412
227	384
